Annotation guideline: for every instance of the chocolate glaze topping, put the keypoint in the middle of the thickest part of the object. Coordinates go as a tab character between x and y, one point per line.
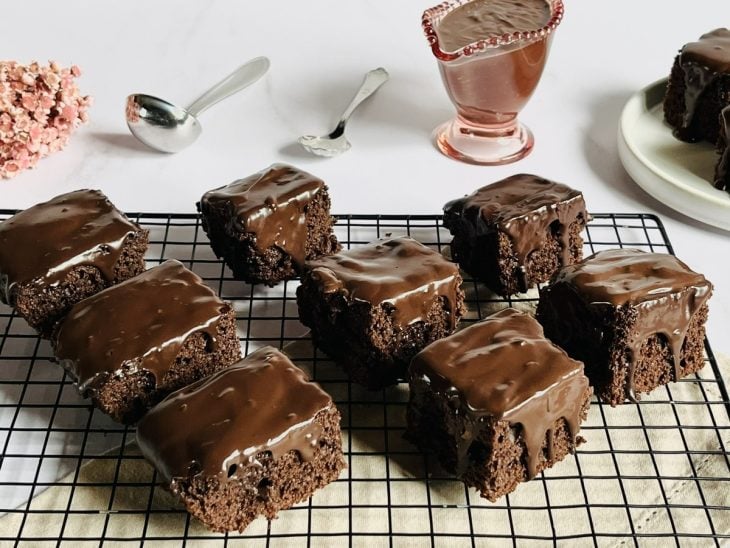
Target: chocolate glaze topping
481	19
702	62
665	293
45	242
524	207
504	367
217	426
400	271
722	173
139	324
272	205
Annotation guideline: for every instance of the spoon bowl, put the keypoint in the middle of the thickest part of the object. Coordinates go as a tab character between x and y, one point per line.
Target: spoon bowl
167	127
161	124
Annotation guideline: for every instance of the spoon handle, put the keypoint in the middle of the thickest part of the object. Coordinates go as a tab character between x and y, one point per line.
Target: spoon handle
243	76
373	80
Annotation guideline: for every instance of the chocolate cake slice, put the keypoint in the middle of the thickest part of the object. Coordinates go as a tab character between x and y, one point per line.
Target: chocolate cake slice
517	232
248	441
497	402
722	171
132	344
636	319
699	87
373	307
56	253
266	225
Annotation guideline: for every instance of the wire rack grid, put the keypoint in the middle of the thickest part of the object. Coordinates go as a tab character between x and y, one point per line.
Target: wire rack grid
69	476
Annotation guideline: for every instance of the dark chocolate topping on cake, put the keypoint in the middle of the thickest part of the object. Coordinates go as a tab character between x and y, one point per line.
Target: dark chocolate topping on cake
217	426
505	368
271	204
722	172
45	242
702	62
665	293
401	272
140	324
523	207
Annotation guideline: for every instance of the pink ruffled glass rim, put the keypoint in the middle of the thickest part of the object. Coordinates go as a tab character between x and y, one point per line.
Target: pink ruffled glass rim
432	17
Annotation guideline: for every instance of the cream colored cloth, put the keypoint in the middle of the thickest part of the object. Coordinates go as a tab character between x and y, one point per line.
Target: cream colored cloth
121	511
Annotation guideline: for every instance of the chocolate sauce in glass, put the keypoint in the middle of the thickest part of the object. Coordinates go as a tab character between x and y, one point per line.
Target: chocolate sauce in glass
722	173
137	325
400	271
45	242
492	87
218	425
665	293
504	367
524	207
702	62
271	204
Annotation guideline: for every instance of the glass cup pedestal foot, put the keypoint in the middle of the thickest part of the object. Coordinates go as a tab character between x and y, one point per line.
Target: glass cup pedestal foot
484	145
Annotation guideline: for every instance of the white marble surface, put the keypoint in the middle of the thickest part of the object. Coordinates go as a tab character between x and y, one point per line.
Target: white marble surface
320	49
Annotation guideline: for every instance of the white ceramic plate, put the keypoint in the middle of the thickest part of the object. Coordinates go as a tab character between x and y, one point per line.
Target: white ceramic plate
677	174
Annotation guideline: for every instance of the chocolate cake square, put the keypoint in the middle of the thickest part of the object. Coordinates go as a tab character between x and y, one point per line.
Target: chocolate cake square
56	253
699	87
132	344
636	319
266	225
497	402
248	441
517	232
372	308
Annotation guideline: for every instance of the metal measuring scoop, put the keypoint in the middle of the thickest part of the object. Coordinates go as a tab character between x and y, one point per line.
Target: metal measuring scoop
336	143
169	128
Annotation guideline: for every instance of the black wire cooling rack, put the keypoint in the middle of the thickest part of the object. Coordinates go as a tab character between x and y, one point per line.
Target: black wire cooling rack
657	473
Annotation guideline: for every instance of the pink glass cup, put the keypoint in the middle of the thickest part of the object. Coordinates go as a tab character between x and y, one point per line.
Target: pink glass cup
489	81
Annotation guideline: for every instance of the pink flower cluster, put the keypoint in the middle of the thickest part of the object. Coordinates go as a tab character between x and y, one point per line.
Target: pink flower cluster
40	106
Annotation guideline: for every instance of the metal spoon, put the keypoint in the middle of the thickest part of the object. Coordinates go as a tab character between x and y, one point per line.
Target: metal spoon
336	143
169	128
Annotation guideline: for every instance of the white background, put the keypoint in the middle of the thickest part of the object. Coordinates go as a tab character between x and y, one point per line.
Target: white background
320	49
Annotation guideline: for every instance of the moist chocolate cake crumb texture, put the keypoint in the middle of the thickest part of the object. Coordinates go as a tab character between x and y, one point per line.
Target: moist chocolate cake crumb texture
59	252
266	225
248	441
636	319
374	307
699	87
497	402
517	232
130	345
722	171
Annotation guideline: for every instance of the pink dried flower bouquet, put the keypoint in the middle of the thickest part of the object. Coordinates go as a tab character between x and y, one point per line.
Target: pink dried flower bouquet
40	106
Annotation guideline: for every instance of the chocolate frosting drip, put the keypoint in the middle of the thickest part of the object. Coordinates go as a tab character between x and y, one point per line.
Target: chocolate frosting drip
45	242
138	325
481	19
272	205
663	291
722	173
702	62
217	426
504	368
523	207
401	272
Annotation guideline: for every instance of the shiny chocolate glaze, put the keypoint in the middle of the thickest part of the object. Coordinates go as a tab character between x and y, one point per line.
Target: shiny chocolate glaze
481	19
402	272
137	325
663	291
702	62
218	425
523	207
504	368
722	172
45	242
272	205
